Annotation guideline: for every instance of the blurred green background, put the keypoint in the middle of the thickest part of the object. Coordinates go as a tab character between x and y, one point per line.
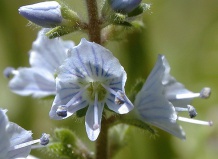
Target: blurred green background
186	31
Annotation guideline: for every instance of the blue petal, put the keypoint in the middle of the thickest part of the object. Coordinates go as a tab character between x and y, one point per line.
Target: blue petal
91	131
48	53
4	144
93	63
30	81
46	14
154	80
153	107
122	107
18	136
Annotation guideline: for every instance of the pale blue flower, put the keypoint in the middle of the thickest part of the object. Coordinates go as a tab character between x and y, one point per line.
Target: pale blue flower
15	141
124	6
45	14
91	76
153	106
39	79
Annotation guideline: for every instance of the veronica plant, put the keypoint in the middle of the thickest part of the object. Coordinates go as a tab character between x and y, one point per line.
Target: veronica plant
39	79
15	141
90	76
153	106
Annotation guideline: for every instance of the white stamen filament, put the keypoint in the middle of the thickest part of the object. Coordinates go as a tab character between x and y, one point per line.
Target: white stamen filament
72	101
109	89
25	144
194	121
96	124
187	95
180	109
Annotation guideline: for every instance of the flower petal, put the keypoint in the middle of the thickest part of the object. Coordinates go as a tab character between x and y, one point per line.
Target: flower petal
48	53
30	81
94	62
119	103
91	129
18	136
153	107
4	144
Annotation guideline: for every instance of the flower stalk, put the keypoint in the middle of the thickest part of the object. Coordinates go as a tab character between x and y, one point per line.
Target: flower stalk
94	30
102	141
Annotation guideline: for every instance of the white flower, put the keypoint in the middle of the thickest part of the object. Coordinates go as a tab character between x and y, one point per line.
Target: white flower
15	141
91	76
152	103
39	79
46	14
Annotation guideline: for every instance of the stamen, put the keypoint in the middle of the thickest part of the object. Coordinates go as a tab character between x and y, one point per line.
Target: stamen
119	98
73	100
62	111
109	89
187	95
205	92
180	109
192	111
44	140
96	125
200	122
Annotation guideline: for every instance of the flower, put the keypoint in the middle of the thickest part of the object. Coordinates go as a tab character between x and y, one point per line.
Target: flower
91	76
15	141
46	14
38	80
153	106
124	6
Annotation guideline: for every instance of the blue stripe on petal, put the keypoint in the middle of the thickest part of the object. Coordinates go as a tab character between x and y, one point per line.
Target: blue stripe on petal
96	65
81	62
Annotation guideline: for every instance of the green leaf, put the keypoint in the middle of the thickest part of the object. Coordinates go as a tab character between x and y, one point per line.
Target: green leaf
66	145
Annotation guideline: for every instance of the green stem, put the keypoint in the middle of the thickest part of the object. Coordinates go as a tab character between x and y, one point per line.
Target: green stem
102	141
94	30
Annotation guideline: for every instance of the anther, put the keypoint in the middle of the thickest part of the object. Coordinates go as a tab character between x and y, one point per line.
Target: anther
8	72
95	126
119	98
62	111
192	111
44	140
205	92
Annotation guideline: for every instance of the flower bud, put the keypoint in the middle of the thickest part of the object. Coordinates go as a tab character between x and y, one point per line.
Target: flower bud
124	6
45	14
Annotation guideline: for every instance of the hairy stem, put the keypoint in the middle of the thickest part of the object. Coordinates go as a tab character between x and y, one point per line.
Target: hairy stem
94	30
102	141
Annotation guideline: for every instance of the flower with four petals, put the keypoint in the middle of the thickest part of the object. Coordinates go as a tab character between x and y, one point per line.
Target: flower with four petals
90	76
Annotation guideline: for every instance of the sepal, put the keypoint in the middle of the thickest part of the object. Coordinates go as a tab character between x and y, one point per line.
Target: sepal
65	144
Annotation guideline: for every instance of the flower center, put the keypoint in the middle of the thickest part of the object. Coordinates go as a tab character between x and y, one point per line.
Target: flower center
96	87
